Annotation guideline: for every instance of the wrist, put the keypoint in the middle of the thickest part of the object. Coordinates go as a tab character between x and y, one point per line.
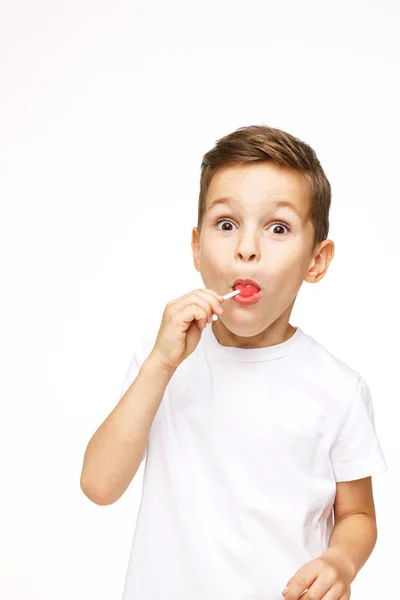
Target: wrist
156	366
336	555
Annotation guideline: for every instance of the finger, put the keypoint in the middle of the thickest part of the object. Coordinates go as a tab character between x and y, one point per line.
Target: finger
207	301
193	312
213	298
206	290
214	307
335	593
214	293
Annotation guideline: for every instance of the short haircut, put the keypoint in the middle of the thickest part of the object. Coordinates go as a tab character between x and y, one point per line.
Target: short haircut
260	143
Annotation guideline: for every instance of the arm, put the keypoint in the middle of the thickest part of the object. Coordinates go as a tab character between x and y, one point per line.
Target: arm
114	453
351	543
355	532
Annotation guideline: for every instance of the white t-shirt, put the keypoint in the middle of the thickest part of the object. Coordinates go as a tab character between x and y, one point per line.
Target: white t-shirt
241	468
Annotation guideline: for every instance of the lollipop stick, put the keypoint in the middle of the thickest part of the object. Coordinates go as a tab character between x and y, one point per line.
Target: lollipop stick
226	297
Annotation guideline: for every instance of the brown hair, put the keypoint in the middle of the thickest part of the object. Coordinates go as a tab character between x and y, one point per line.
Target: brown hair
260	143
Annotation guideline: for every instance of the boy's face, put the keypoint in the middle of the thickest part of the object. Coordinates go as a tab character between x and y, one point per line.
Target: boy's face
256	240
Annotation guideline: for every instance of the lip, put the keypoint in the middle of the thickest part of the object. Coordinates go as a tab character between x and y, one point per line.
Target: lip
245	282
247	300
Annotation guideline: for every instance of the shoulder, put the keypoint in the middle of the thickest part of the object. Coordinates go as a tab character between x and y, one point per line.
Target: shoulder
329	367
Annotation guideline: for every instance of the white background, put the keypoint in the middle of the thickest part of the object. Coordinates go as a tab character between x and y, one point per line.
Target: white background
106	109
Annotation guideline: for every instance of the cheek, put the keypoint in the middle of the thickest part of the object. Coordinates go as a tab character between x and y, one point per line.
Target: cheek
285	275
283	265
216	257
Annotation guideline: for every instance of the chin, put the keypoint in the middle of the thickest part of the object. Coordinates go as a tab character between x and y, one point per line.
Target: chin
245	329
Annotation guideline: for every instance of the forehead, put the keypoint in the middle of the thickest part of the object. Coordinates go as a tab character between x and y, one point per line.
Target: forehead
260	185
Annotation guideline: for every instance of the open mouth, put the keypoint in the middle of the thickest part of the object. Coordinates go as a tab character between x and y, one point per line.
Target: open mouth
246	290
249	293
247	287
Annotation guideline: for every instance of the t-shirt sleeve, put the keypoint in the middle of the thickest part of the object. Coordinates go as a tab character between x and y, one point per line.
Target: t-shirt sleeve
131	374
139	356
356	452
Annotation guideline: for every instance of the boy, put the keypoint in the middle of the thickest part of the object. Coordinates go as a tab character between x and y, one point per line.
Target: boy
256	436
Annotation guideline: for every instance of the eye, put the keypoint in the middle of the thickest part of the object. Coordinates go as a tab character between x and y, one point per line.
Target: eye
280	225
223	221
273	225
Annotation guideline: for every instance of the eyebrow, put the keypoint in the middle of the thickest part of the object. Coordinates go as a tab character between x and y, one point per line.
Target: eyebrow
275	203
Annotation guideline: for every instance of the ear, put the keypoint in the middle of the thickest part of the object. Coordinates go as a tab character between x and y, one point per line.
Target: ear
320	262
196	248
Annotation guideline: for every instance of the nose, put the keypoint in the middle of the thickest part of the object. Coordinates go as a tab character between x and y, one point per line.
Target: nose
247	257
248	250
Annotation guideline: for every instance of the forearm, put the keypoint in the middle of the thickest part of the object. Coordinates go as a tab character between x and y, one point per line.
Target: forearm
114	453
352	541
